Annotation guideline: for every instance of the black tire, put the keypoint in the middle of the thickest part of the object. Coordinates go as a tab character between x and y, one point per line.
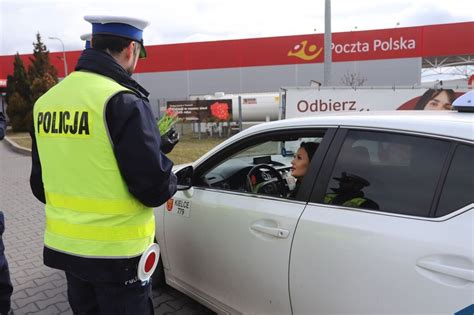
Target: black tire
158	277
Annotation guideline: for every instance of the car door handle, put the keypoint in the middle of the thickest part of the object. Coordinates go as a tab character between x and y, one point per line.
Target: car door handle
273	231
462	273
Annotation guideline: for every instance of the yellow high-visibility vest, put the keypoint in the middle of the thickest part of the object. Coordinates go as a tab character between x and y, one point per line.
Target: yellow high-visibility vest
89	210
354	202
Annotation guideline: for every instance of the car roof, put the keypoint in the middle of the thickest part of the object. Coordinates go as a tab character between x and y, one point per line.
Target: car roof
450	124
441	123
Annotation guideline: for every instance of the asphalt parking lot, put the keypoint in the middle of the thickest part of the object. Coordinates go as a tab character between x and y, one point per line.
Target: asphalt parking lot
37	288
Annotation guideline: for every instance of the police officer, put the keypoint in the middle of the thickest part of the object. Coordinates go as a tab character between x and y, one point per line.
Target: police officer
6	288
98	165
3	123
87	38
349	193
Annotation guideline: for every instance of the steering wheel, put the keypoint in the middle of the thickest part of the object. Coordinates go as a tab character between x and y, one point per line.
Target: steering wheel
265	179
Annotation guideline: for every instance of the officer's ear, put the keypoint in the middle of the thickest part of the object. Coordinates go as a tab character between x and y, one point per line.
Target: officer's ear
130	50
134	50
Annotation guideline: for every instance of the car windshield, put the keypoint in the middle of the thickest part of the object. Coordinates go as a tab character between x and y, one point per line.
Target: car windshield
266	148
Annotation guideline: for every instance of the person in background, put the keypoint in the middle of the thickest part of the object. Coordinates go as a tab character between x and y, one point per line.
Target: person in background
98	165
6	287
3	123
349	193
300	163
87	38
436	99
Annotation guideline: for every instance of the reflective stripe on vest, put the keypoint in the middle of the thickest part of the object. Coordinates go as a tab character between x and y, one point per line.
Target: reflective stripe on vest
355	202
89	210
103	206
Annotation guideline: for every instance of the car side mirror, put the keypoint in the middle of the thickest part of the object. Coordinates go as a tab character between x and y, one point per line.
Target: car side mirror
185	178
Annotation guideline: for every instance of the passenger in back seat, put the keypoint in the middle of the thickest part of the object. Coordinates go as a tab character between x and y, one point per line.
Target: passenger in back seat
349	193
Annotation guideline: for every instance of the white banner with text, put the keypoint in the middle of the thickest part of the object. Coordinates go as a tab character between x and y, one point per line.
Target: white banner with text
304	102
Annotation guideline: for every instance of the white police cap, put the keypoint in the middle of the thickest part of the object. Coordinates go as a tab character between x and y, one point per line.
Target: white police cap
121	26
87	37
464	103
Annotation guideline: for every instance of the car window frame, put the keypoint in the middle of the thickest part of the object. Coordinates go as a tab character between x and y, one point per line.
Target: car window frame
316	163
444	177
320	187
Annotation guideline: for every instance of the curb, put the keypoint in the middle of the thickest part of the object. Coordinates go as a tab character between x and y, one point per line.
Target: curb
16	148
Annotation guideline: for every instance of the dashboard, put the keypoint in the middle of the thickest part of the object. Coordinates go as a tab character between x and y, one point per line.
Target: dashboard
232	173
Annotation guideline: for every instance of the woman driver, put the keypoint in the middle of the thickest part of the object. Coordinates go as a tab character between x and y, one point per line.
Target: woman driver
300	163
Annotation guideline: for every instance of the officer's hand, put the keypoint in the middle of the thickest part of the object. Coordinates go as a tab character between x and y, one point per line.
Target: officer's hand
169	140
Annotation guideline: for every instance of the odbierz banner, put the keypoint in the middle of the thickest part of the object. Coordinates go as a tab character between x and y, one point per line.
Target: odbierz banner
314	101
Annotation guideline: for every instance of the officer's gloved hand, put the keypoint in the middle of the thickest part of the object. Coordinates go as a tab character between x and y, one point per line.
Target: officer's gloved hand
169	140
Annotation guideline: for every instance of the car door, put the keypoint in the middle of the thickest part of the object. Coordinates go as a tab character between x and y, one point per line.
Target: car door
231	247
399	253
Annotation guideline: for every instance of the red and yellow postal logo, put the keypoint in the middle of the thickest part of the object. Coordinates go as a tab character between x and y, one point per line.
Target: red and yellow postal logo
306	53
169	204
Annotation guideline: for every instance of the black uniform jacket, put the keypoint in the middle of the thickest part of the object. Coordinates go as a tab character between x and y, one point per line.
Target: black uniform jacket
136	144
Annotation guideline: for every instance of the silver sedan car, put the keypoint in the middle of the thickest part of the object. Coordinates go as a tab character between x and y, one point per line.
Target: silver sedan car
381	222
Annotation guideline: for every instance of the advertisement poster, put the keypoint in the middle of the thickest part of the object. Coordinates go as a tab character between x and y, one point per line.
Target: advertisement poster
304	102
202	110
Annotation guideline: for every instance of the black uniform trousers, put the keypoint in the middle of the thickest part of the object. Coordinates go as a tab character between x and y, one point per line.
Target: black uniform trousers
117	298
6	288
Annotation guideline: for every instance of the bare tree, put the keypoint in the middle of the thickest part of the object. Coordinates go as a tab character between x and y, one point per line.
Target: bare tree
353	79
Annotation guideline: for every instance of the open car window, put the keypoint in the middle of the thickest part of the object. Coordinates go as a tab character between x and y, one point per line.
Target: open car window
259	165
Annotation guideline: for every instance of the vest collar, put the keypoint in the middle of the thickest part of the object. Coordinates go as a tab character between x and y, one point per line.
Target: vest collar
100	62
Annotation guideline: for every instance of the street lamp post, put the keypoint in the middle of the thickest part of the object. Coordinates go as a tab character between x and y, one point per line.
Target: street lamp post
64	55
327	43
355	61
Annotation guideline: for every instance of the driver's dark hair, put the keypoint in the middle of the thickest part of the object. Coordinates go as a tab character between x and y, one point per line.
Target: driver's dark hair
310	148
114	44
